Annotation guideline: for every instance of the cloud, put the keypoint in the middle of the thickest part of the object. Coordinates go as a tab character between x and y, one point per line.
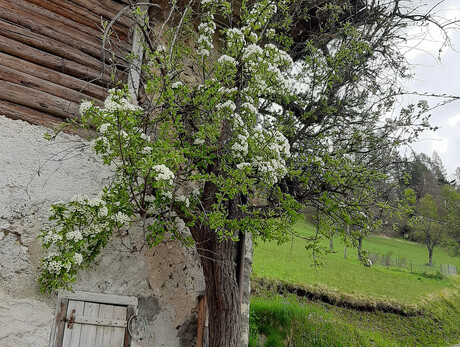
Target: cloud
452	121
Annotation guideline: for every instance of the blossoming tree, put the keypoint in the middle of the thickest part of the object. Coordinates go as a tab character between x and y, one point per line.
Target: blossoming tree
238	150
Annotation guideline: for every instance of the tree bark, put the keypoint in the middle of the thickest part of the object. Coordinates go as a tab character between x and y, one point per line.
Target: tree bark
331	243
217	259
360	247
430	255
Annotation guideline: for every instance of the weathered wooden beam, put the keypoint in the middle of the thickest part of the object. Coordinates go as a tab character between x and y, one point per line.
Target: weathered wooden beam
79	15
31	116
54	62
106	8
47	44
18	77
15	111
35	99
30	6
50	28
50	75
86	13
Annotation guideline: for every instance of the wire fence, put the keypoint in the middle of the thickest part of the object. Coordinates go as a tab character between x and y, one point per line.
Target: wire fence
389	260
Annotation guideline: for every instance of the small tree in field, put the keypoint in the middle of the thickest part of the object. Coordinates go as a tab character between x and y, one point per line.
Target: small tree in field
428	227
279	116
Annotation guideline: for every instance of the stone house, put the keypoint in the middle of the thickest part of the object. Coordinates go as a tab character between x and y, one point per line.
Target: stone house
50	59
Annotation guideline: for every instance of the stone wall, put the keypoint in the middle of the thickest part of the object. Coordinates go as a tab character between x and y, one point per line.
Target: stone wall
33	173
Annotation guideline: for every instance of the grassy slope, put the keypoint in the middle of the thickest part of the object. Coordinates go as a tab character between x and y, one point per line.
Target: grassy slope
281	321
292	263
294	321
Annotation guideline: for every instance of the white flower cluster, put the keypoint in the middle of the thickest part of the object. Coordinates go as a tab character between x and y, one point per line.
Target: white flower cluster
146	150
240	147
260	13
54	266
226	59
103	212
74	235
163	172
84	107
176	85
52	237
104	127
115	102
78	258
235	39
273	149
121	218
253	52
184	199
198	141
229	105
206	30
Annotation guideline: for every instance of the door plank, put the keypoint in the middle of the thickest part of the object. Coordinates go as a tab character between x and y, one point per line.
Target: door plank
88	332
118	334
98	321
72	331
103	334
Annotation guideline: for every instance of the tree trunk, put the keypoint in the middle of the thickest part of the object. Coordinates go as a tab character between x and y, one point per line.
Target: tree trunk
331	243
217	259
345	252
360	246
430	256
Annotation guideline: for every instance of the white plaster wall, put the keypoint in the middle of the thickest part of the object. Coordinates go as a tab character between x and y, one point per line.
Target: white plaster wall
35	172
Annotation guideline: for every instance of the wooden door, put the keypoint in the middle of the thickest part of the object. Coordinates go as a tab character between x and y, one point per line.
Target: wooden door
91	324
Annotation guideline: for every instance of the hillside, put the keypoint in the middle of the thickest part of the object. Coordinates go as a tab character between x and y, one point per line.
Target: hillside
353	304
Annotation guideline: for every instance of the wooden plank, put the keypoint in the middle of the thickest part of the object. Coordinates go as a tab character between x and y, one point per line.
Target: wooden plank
52	61
84	13
88	331
56	77
35	117
118	335
107	9
103	334
38	100
72	331
47	44
96	320
46	27
58	327
36	83
51	13
131	311
99	298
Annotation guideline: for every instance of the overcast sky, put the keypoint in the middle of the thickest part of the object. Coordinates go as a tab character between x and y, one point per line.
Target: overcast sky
434	76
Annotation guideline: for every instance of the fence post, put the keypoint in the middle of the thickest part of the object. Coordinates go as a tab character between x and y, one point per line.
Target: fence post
411	266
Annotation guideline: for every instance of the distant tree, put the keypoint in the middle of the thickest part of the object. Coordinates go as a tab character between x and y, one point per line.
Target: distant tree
428	228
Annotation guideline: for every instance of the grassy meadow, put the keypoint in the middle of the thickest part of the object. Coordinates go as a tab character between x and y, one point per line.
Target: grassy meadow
291	262
288	319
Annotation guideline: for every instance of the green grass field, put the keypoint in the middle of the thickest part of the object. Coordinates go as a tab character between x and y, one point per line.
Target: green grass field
293	320
291	262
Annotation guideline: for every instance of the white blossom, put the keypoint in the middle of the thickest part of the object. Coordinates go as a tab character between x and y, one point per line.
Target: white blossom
176	84
54	266
78	258
146	150
184	199
121	217
84	107
103	128
163	172
74	235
